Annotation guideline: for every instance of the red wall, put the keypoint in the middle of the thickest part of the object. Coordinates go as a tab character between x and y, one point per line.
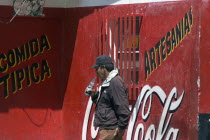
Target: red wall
204	99
55	108
179	70
34	111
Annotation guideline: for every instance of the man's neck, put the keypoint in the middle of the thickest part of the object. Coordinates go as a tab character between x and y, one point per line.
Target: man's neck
106	75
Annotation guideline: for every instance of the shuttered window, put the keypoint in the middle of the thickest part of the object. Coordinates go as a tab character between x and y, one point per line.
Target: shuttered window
118	35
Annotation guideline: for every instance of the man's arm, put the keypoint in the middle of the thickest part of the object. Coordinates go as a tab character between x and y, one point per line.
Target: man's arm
120	103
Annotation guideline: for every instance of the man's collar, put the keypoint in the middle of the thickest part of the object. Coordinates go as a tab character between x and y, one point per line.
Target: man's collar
111	75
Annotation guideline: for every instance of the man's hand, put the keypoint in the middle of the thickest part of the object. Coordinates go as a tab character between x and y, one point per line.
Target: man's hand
116	131
90	93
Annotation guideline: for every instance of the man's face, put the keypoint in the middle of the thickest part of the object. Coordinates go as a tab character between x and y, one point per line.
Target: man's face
101	72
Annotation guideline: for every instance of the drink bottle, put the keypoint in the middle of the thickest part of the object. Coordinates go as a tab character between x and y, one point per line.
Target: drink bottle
90	87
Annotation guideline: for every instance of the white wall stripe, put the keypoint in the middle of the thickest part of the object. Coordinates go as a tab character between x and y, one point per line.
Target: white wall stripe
6	2
56	3
86	3
48	3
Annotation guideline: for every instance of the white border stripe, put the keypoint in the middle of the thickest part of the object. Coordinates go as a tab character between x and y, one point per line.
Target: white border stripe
48	3
6	2
86	3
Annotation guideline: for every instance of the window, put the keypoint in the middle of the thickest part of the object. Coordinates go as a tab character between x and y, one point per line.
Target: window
119	38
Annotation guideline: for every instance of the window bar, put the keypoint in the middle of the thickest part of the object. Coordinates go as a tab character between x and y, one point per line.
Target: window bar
129	43
104	31
112	39
139	47
134	54
116	40
107	32
125	51
120	46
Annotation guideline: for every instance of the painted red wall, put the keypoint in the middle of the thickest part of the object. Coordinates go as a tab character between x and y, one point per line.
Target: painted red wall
34	111
55	108
204	98
83	57
177	70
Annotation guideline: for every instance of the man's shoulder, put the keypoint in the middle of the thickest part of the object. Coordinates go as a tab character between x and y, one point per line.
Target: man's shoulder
116	79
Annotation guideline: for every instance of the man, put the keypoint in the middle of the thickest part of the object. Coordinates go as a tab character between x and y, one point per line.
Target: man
112	108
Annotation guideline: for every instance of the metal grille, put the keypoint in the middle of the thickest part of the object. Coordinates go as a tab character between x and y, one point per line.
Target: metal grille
118	35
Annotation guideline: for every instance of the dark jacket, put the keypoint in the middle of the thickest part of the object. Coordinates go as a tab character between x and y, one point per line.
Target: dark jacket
112	109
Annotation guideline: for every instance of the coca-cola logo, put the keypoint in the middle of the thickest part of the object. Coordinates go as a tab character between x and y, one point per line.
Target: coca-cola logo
170	105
